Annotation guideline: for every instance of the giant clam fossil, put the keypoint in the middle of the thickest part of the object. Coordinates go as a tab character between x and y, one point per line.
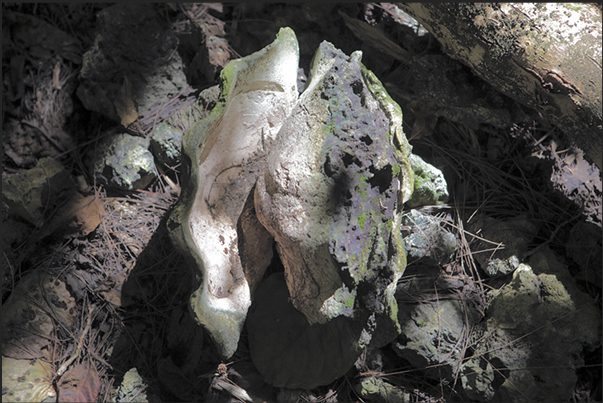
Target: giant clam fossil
222	157
325	177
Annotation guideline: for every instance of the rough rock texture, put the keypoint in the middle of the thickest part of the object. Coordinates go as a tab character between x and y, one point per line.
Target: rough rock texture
430	336
430	187
222	157
333	190
377	390
533	338
123	77
331	197
124	162
131	387
425	238
166	142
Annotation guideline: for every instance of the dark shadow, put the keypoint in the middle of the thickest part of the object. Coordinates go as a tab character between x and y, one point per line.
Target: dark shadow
159	336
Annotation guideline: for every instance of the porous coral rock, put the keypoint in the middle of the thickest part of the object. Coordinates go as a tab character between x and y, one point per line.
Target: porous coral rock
331	196
333	190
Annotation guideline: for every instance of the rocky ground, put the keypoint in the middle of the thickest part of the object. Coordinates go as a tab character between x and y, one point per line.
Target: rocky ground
92	287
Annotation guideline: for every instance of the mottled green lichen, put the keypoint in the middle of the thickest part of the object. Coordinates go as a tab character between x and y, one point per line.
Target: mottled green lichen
403	149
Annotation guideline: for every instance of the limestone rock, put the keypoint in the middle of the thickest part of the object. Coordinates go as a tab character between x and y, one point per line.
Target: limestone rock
529	346
430	187
333	190
124	162
377	390
430	336
133	387
331	196
166	142
120	77
222	158
425	238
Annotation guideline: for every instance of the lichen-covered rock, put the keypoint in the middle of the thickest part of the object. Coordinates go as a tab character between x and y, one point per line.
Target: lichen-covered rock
33	193
166	142
424	237
331	196
148	62
430	187
222	158
132	388
377	390
333	190
501	267
124	162
531	343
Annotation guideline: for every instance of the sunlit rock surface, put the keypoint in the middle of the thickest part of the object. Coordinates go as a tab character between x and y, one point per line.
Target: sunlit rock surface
223	156
331	196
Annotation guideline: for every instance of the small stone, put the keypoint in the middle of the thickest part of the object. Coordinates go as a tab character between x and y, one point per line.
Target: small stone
377	390
502	267
166	143
425	238
124	162
430	187
132	387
